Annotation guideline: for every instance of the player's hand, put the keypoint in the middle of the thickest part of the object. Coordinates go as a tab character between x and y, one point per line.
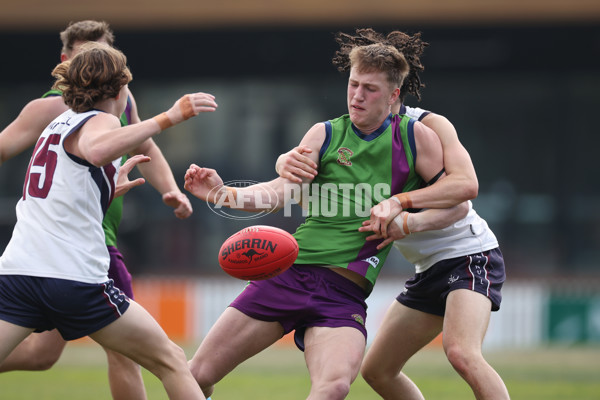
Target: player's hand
204	183
395	230
180	202
382	214
294	165
123	183
191	105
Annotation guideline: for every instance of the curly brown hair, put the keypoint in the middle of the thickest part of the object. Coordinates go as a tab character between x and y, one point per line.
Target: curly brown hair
411	46
85	31
96	73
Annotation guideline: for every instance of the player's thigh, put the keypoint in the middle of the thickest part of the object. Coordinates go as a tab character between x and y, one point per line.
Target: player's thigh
11	335
402	333
467	318
137	335
333	353
234	338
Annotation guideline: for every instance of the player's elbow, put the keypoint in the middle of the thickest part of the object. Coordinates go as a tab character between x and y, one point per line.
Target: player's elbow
98	157
471	190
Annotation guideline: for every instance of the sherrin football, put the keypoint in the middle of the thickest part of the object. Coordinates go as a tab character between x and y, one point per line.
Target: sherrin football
258	252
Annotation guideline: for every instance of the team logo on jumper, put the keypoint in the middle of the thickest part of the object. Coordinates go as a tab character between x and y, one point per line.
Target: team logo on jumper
358	318
344	156
452	279
374	261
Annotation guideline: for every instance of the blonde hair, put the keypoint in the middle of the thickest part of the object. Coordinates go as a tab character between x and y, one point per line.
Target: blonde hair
380	57
96	73
412	47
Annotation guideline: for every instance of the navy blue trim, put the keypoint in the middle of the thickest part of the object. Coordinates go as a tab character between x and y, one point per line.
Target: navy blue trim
327	140
402	109
411	138
98	178
426	113
73	129
377	133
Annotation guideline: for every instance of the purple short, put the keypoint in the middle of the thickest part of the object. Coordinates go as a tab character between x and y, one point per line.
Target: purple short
305	296
117	271
481	272
76	309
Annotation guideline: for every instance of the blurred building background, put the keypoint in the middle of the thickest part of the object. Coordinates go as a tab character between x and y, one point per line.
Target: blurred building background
519	80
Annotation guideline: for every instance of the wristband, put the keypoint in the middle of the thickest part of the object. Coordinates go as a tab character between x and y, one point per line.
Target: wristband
404	200
186	107
401	222
163	121
405	224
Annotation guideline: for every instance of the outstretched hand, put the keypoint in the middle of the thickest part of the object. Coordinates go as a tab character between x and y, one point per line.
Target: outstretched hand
123	183
204	183
191	105
180	202
294	165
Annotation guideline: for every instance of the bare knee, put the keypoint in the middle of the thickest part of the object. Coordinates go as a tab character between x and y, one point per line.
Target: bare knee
337	389
120	362
371	375
204	375
44	361
44	358
462	360
170	360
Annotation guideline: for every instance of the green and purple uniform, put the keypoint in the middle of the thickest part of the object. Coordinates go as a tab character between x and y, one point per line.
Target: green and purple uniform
356	172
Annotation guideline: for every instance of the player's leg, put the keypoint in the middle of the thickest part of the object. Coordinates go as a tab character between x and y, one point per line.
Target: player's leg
233	338
38	352
402	333
125	377
465	324
333	357
10	336
138	336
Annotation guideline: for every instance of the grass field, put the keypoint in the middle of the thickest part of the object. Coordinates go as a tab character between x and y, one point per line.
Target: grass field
279	373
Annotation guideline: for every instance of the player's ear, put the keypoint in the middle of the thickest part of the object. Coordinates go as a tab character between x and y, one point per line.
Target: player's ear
394	96
63	57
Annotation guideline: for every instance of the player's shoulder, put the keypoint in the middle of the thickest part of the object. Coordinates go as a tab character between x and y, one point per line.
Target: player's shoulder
415	112
53	104
43	110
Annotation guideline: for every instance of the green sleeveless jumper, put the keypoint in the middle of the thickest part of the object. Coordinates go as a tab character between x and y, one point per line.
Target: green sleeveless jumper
356	172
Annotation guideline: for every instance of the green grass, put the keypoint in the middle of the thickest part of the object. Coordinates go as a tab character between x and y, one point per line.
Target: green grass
279	373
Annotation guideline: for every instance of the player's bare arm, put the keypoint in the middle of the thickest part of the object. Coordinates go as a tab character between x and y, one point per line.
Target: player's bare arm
461	181
207	185
430	161
102	139
407	223
25	130
158	173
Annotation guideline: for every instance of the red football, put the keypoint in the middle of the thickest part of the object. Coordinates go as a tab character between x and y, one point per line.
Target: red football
258	252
